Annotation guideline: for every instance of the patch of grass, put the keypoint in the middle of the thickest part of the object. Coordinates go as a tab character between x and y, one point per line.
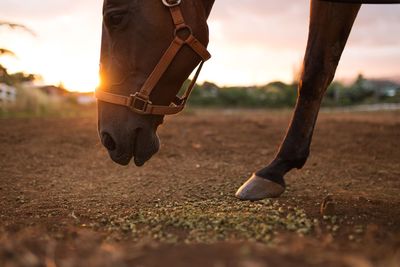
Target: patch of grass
209	221
31	103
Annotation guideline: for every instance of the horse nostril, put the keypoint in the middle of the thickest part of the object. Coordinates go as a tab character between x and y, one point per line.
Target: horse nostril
108	141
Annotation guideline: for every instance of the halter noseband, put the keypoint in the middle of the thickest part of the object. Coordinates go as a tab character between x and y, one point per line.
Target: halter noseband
140	101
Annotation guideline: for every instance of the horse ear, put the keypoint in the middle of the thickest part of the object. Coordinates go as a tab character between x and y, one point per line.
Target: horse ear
208	4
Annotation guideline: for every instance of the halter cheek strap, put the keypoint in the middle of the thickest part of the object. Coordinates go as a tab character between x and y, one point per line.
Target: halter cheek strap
140	101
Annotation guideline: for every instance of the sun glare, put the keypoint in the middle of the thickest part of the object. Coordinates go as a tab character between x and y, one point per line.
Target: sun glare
73	78
76	77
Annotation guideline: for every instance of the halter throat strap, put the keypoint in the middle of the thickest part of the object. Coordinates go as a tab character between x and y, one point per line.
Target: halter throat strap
140	101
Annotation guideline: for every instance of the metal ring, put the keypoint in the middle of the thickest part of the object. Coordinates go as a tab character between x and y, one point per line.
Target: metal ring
166	3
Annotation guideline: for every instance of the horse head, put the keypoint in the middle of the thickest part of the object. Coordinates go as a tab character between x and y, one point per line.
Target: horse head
148	50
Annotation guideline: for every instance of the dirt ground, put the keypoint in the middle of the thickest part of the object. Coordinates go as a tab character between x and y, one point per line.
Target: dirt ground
63	202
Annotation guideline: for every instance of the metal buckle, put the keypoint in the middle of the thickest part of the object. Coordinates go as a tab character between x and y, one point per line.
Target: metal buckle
174	3
139	104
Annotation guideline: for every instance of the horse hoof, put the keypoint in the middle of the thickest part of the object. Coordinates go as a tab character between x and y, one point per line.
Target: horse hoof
257	188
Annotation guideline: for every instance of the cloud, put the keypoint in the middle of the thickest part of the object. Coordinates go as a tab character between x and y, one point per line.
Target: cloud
377	25
37	9
267	22
275	36
272	34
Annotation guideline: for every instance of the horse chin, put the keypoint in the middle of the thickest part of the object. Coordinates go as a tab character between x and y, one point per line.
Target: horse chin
140	148
146	145
121	159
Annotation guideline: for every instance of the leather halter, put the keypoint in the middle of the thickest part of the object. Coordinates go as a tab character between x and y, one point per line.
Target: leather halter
140	101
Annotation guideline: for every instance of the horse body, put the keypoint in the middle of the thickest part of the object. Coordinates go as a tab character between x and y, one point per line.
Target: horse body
132	45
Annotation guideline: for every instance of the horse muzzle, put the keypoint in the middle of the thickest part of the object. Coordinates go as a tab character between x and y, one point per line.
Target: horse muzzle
140	147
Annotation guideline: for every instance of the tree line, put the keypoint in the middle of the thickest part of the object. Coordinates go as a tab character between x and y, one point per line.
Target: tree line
279	94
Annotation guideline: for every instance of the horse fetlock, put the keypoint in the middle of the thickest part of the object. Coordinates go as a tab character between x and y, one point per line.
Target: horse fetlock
299	163
286	163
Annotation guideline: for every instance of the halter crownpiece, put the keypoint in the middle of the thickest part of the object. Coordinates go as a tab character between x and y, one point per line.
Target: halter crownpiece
140	101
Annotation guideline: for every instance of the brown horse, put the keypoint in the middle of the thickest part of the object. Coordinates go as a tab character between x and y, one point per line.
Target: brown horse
149	48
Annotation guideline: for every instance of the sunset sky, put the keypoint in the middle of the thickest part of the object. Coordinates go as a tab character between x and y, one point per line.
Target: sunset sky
252	41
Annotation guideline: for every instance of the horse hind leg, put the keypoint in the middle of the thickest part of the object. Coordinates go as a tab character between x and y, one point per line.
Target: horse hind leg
330	26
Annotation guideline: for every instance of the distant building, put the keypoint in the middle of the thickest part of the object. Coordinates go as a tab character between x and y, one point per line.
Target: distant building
53	91
382	88
85	98
8	94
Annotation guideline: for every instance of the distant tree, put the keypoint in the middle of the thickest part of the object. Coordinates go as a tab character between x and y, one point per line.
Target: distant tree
4	52
5	77
16	26
13	26
16	78
359	90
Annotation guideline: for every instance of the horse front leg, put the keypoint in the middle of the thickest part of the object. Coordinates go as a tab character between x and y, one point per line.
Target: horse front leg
330	26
